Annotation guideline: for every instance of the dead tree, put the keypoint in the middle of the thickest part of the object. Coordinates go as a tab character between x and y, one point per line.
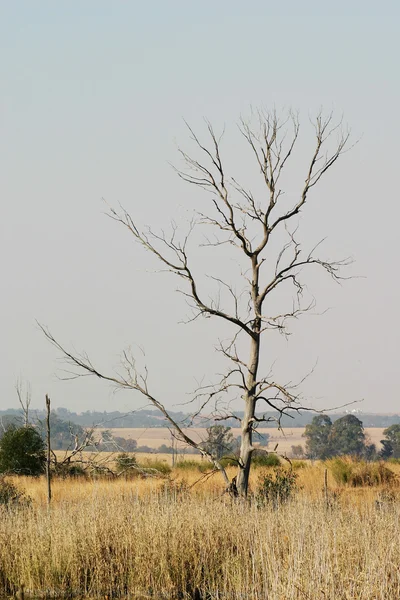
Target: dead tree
48	452
83	451
24	394
253	224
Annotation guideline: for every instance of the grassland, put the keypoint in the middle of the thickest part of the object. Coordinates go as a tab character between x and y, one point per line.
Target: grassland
162	538
156	436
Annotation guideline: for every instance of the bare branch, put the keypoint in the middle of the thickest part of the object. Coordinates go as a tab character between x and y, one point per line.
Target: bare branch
134	381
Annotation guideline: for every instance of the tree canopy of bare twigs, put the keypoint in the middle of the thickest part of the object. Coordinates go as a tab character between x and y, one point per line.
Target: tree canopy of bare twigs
249	222
24	394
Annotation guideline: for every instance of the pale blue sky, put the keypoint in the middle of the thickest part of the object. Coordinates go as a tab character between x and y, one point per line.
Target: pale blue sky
92	99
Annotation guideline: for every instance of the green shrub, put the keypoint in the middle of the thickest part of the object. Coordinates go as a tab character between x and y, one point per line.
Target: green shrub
22	451
228	461
262	459
341	470
126	464
155	467
299	464
205	466
347	471
194	465
69	470
11	496
276	487
187	465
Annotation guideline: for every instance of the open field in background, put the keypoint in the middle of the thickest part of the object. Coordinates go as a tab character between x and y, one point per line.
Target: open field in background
155	437
144	538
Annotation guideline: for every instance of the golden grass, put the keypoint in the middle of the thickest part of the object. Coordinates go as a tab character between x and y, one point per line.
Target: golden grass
143	539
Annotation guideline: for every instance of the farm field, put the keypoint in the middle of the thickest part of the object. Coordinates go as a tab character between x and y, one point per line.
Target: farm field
155	437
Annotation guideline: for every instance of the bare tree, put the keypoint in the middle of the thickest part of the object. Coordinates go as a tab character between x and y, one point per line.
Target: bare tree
252	224
83	451
24	394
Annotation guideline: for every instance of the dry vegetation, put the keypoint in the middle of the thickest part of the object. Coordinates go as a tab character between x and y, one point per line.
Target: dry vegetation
158	538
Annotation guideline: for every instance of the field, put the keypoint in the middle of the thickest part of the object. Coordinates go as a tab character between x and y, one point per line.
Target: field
167	538
155	437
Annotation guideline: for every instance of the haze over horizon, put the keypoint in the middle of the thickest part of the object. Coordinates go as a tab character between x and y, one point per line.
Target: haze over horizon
93	100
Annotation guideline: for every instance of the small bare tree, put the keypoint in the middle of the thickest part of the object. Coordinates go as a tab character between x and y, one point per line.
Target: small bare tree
252	224
83	451
24	394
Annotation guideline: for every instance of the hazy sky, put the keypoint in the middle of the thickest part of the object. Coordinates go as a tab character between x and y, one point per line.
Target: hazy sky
93	96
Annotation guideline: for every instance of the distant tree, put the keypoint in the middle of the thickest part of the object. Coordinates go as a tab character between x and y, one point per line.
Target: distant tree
297	451
317	435
387	450
369	452
146	449
164	449
347	436
22	451
219	441
263	439
24	394
107	436
64	413
391	445
6	421
63	433
126	444
110	442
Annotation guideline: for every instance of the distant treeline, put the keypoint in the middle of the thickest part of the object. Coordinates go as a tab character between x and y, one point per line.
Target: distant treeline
150	418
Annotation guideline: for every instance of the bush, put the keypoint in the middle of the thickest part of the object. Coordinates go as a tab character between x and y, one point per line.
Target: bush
65	470
22	451
228	461
11	496
299	464
187	465
360	473
127	464
341	470
277	487
194	465
262	459
155	467
297	451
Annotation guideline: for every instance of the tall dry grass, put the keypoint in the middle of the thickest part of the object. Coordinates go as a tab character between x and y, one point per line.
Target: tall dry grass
147	539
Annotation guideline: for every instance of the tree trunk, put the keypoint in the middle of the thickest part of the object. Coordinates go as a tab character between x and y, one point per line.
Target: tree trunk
246	448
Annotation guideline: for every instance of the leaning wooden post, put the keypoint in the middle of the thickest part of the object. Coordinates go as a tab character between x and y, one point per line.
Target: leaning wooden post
173	450
326	493
48	475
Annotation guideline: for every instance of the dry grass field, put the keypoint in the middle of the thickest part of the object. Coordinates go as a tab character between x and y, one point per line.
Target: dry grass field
156	436
161	538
